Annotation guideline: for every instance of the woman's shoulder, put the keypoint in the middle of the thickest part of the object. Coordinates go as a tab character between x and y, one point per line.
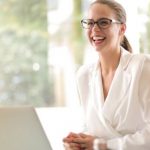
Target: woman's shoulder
146	62
135	62
140	62
135	58
141	58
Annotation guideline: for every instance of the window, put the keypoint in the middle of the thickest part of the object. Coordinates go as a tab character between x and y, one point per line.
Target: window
42	46
25	77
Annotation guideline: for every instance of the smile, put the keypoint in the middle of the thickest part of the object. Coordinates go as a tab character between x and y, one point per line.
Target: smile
98	39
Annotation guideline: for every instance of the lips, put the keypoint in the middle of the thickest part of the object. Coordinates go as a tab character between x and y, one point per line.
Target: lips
98	39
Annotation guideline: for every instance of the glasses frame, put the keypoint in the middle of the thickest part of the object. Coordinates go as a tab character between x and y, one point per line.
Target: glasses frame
112	21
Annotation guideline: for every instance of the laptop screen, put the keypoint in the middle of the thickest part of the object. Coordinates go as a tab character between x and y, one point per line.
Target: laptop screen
20	129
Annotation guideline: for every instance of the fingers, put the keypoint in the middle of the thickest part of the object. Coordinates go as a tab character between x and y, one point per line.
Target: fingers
83	146
78	141
72	146
70	137
82	138
83	135
69	143
74	135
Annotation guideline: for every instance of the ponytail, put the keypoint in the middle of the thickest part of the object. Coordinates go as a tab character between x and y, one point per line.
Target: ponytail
126	45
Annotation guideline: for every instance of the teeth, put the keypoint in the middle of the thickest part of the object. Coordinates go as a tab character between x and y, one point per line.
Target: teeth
98	38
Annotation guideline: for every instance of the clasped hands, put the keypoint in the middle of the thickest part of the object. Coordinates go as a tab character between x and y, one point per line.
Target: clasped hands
80	141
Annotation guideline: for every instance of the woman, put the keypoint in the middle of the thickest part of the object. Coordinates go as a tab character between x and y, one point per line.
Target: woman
114	91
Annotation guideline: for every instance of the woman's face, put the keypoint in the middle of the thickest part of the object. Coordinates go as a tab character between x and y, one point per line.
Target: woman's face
104	39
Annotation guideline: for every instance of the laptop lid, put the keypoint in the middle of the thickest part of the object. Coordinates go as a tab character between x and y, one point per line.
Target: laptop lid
20	129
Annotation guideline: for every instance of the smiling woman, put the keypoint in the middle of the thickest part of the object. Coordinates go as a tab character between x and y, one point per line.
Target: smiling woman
68	47
114	90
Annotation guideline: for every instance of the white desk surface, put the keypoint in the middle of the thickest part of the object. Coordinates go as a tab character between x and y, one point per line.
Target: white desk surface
58	122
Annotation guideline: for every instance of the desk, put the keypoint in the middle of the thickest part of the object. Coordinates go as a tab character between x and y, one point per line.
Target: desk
58	122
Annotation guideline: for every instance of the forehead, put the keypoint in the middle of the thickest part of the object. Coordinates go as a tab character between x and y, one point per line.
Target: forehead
97	11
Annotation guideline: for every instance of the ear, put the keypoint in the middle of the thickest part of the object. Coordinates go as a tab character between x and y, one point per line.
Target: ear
122	29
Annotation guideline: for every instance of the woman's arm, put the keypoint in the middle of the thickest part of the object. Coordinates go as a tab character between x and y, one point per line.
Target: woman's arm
141	139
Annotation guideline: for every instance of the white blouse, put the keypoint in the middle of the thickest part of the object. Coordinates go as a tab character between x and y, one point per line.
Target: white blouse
124	118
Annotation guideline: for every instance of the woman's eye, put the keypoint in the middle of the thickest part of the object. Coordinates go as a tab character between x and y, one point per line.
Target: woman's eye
89	23
103	23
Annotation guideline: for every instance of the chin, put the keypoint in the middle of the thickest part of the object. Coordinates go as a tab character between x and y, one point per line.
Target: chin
97	49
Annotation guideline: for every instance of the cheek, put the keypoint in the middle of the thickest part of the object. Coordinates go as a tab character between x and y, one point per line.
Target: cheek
116	38
88	33
114	34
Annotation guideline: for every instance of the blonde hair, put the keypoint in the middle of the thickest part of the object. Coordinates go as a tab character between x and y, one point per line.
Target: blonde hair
120	16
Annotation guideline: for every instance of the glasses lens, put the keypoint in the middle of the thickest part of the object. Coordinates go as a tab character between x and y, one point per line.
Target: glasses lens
104	23
87	23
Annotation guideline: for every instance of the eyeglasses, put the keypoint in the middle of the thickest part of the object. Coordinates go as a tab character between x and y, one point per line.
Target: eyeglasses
102	23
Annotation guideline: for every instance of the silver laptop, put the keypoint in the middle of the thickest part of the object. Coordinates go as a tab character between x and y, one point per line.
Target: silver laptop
20	129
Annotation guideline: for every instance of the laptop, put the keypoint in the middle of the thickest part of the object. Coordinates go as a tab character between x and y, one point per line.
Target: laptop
20	129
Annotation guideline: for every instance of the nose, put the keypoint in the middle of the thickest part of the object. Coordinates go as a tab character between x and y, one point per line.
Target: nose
95	27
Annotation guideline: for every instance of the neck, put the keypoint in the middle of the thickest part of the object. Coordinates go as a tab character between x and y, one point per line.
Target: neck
109	62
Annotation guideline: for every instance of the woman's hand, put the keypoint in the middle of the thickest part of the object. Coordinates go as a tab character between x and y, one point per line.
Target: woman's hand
69	143
78	142
85	141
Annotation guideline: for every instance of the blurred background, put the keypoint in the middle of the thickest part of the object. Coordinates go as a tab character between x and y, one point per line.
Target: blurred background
42	45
